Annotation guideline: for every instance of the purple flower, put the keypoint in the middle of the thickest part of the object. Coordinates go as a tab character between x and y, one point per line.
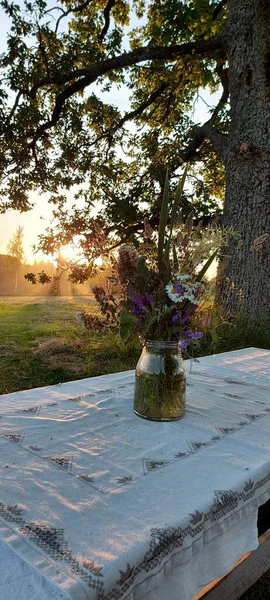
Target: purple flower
150	300
188	337
179	290
188	314
141	302
194	335
138	301
176	318
135	310
184	344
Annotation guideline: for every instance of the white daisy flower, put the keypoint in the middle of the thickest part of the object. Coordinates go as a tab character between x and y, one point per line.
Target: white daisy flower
191	286
183	277
173	292
191	298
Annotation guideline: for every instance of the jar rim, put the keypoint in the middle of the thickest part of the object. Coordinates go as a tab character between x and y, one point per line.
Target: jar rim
169	343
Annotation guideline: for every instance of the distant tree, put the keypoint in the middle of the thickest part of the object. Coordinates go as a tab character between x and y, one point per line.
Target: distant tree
15	249
15	245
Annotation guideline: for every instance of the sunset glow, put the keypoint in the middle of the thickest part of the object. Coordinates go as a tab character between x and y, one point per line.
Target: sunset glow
69	252
98	261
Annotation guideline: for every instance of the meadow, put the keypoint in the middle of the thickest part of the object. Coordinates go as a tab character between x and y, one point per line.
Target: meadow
44	342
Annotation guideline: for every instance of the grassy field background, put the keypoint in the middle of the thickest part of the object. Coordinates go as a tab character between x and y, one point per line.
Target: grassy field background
43	342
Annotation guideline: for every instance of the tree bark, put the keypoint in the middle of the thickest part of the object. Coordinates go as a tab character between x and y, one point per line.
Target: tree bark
243	282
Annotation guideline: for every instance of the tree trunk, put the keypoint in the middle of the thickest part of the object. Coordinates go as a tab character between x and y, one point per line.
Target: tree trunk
16	283
243	283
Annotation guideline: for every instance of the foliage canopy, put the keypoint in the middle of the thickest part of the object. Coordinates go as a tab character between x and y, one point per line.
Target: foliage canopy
60	131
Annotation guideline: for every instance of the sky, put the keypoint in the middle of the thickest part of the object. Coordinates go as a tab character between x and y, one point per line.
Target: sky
36	221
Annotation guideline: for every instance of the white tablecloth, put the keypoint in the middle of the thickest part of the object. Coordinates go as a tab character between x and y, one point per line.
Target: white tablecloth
99	504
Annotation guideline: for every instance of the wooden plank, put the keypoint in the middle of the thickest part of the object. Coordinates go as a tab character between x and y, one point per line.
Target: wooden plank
248	569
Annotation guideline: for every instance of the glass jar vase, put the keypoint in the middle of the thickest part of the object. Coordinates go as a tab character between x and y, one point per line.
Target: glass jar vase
160	382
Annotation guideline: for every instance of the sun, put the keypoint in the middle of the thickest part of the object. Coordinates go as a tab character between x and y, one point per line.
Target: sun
68	252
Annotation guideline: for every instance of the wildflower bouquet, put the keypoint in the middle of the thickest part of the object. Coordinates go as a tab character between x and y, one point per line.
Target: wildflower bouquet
161	291
158	296
159	306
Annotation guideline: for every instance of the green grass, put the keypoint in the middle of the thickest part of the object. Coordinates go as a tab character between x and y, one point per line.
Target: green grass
42	342
225	337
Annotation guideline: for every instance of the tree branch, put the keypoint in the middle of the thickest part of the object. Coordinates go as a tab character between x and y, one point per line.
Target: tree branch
128	59
205	221
218	9
130	115
86	77
47	12
207	130
15	106
106	13
217	139
138	111
65	13
224	79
